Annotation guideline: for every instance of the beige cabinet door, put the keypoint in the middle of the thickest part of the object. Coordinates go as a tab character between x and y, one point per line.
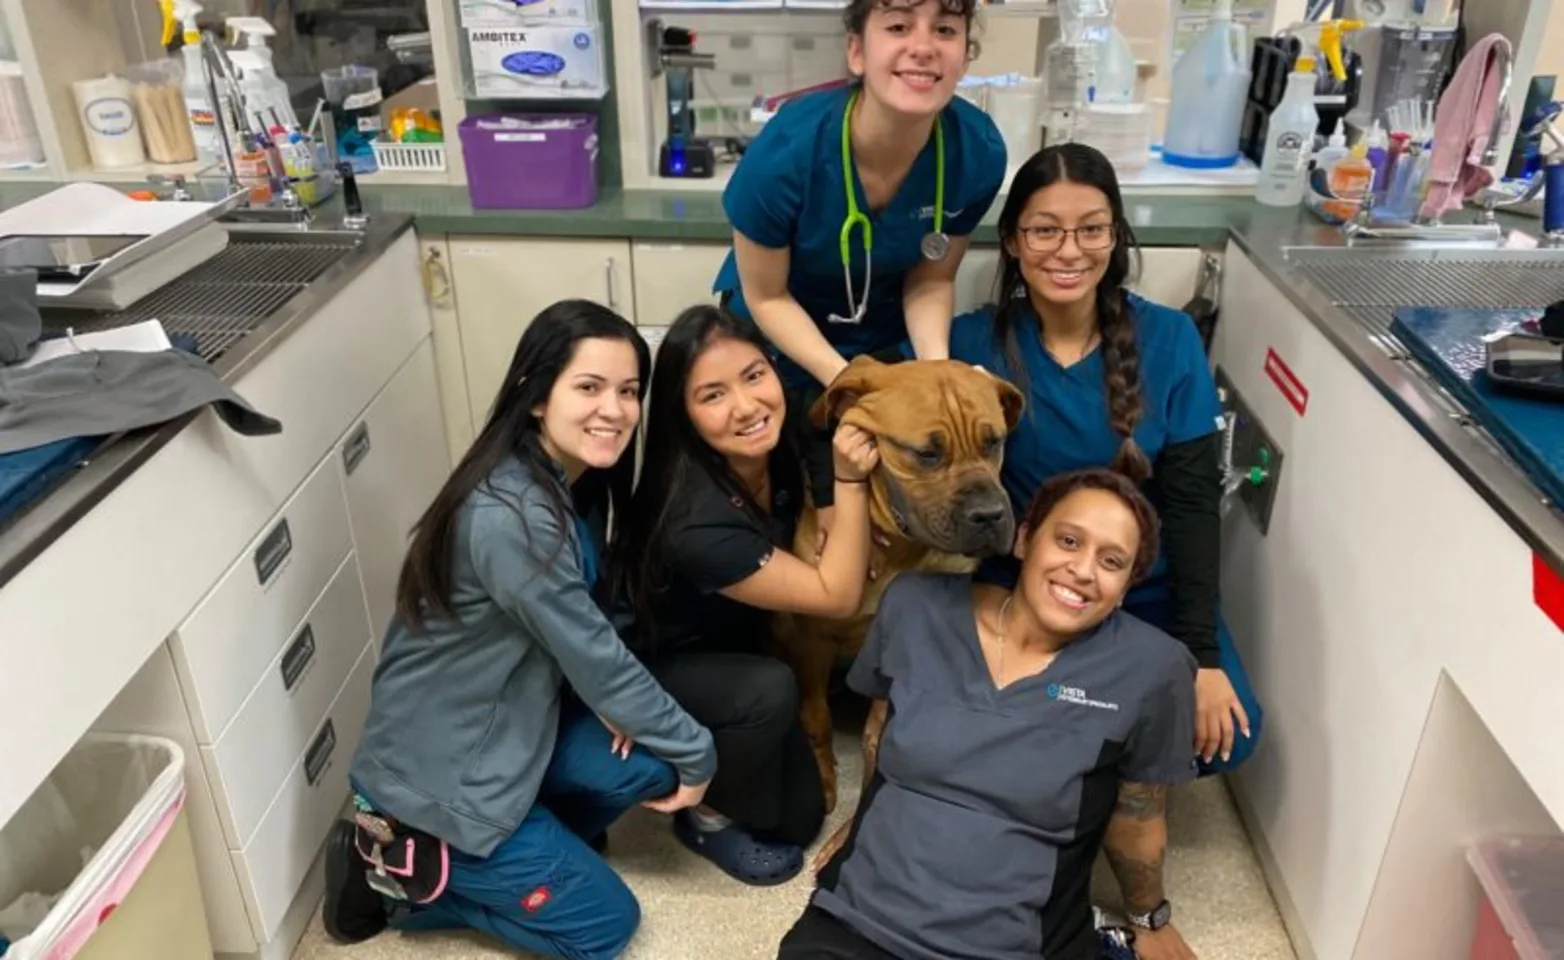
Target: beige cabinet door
503	282
1168	274
440	290
975	277
671	277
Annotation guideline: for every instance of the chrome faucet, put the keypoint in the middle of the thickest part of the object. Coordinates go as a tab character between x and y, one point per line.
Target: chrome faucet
1501	108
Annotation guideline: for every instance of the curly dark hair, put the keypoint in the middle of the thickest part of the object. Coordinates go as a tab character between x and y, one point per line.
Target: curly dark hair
1124	487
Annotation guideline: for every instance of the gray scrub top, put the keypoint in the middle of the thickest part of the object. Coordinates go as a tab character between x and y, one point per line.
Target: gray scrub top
976	835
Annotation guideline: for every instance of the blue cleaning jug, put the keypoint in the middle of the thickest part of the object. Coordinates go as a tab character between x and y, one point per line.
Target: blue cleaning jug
1209	89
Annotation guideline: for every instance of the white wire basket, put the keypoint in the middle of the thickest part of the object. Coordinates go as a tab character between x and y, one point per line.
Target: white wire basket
410	157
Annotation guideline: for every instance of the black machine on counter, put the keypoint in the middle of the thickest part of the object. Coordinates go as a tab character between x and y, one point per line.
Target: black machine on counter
683	154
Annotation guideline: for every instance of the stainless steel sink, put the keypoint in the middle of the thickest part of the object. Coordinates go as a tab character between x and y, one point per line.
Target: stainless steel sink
1370	283
220	302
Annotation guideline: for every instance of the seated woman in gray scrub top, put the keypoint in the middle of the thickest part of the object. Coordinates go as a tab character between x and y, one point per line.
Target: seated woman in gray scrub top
1014	733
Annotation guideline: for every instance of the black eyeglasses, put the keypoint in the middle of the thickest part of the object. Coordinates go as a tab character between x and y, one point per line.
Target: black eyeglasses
1092	236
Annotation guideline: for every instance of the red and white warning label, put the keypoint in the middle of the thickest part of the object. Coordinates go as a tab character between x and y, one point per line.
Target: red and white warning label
1292	389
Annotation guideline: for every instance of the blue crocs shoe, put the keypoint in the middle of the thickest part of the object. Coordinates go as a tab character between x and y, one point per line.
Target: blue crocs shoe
740	855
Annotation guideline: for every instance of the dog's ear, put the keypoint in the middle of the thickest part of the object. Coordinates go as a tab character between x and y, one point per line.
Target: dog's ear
857	379
1011	400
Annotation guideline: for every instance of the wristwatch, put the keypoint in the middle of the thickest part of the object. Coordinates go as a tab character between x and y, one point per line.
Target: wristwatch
1160	916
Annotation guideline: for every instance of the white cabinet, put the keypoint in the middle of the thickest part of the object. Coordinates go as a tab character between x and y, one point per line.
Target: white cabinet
503	282
671	277
393	462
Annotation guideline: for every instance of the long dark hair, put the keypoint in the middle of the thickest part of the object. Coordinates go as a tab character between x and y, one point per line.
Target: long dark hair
1114	482
673	455
545	350
1079	163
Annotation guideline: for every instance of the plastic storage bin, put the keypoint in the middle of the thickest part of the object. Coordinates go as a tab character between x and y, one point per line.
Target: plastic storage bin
1521	913
530	161
98	864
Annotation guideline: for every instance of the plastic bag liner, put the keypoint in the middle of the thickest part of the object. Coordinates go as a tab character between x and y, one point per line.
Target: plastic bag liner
110	803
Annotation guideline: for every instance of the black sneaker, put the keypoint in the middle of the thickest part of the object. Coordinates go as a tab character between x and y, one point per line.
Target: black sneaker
352	912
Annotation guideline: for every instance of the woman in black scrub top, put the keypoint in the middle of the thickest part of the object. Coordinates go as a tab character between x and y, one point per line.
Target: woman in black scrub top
1014	733
706	562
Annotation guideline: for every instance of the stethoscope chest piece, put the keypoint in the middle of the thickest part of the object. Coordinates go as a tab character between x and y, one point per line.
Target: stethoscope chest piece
934	246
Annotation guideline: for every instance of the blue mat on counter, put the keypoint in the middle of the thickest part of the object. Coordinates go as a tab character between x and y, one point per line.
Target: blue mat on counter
1450	343
25	474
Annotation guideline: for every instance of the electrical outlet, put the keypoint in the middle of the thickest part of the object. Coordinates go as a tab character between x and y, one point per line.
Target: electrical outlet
1256	456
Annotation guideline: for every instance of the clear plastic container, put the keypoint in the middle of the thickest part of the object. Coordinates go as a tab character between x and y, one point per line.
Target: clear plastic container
157	89
1521	915
1016	103
20	145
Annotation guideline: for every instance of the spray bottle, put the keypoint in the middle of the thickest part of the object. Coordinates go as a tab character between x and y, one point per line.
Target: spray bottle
198	103
1289	140
265	93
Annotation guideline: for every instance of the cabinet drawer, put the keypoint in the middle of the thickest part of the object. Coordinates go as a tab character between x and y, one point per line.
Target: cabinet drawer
225	646
273	866
393	461
274	727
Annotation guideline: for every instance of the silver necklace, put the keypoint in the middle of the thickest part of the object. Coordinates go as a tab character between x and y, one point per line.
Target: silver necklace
1004	610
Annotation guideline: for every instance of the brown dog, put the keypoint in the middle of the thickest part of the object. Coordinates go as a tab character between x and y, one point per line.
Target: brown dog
940	426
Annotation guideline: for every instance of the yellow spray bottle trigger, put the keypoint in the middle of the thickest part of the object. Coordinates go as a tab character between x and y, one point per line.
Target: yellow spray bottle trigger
1325	38
170	22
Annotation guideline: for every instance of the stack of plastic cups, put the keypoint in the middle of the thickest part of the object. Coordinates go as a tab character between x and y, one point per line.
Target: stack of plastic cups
1015	103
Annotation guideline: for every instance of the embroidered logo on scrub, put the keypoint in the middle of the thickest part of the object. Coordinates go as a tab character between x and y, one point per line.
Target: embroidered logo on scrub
1064	694
534	901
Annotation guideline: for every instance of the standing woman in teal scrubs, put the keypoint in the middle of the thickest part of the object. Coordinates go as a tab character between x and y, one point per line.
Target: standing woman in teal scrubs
852	209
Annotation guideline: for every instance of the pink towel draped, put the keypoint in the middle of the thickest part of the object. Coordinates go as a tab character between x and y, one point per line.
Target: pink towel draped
1463	122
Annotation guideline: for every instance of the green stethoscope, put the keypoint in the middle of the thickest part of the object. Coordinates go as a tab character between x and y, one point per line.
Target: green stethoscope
933	246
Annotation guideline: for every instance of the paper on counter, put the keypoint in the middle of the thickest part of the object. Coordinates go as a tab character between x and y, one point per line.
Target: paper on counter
147	336
96	210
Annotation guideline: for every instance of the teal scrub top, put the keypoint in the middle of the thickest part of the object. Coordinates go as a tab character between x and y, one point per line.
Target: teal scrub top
789	191
1066	425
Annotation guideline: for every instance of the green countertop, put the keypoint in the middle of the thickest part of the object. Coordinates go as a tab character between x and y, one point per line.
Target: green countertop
1158	219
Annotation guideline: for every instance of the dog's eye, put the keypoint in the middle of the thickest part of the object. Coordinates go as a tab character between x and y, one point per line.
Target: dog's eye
928	458
991	446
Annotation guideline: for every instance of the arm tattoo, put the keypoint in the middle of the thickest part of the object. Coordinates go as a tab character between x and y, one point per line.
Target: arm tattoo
1136	842
1141	801
1139	880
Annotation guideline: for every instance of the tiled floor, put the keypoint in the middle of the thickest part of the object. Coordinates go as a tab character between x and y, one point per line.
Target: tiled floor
1224	909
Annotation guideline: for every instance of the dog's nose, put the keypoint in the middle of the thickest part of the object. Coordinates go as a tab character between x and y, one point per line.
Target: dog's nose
986	515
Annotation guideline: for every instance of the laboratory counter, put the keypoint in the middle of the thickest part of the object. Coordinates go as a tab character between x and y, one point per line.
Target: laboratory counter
1158	219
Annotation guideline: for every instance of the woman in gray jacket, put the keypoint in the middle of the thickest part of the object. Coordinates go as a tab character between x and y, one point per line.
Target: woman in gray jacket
498	745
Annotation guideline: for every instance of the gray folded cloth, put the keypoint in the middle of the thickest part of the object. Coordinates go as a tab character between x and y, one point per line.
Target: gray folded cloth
20	322
102	392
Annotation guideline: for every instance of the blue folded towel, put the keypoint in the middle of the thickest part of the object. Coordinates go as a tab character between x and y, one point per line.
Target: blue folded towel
26	474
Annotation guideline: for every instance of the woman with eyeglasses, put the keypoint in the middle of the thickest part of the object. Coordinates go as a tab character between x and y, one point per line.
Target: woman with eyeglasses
1113	379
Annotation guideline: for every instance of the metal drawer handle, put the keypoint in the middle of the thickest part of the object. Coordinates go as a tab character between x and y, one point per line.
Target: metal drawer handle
275	549
356	448
318	759
300	654
608	273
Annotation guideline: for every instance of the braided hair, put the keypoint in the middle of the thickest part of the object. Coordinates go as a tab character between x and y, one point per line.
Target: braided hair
1079	163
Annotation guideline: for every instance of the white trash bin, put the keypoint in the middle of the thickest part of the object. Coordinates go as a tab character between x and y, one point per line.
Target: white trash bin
99	863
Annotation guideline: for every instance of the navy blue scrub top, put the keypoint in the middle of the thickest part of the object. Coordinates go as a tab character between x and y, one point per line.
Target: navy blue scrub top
1066	425
977	833
788	191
